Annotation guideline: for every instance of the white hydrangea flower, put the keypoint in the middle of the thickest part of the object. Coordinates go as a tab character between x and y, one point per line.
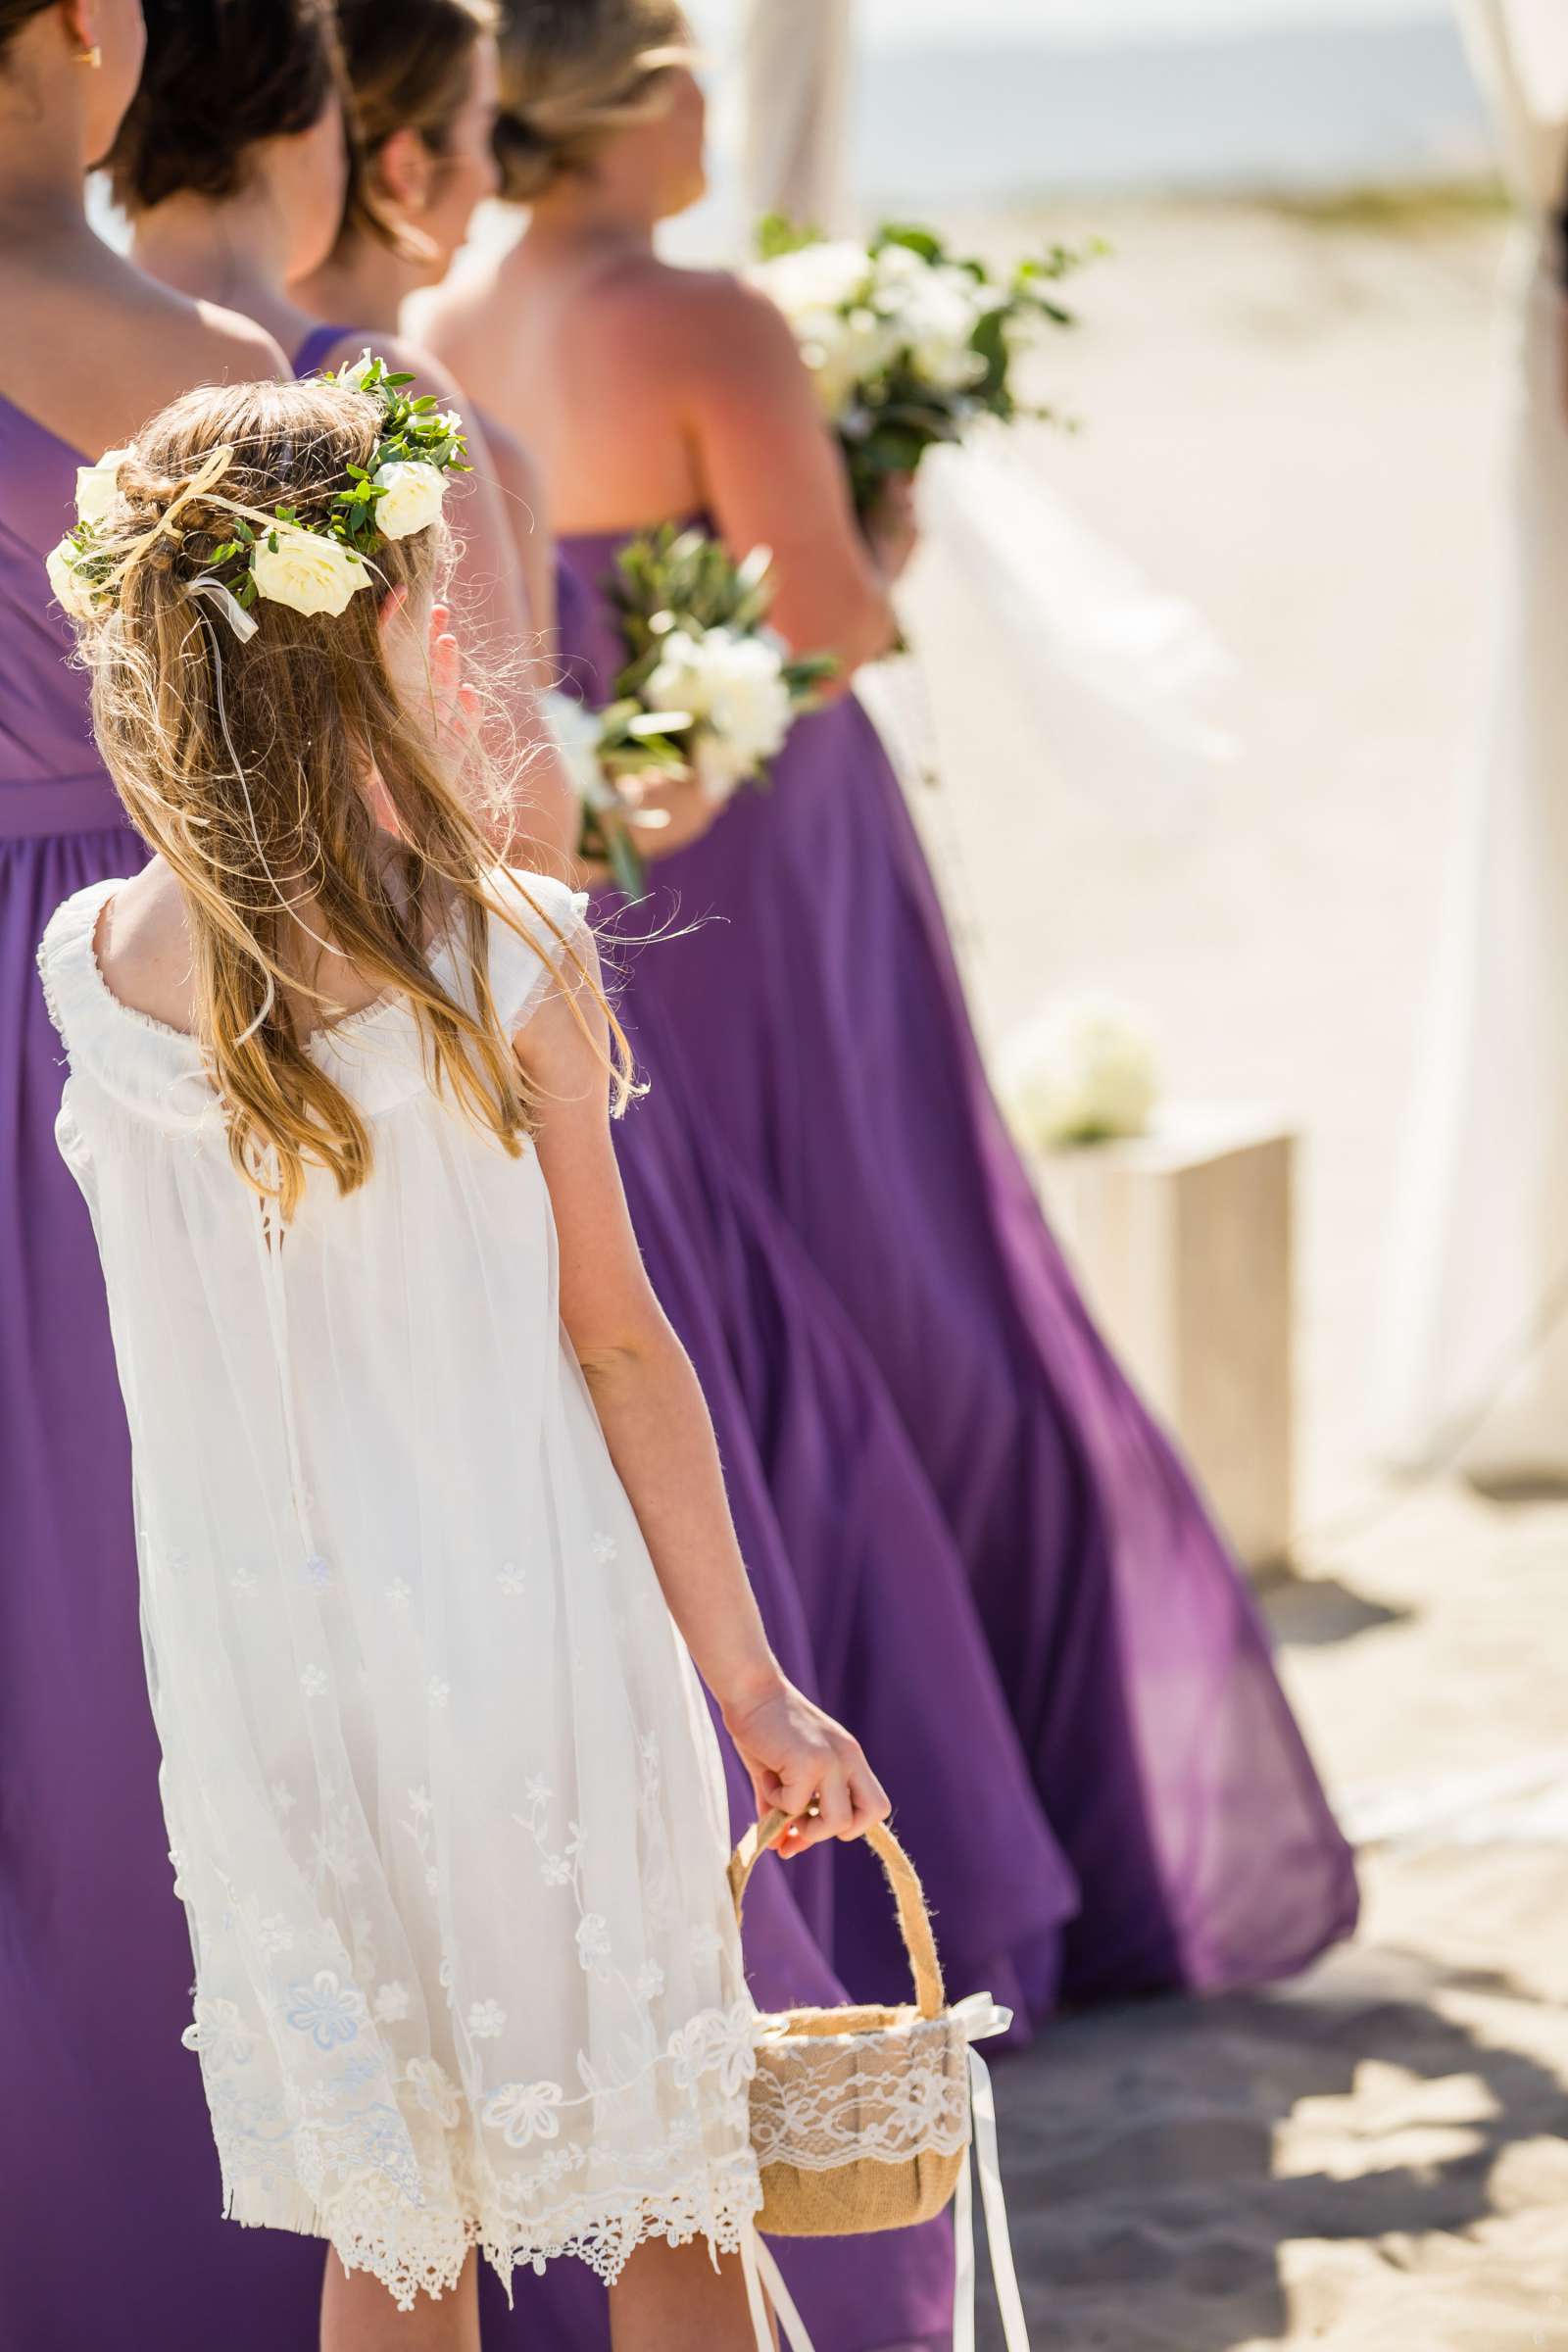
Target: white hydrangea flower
734	685
1081	1070
306	571
845	351
412	494
830	276
70	590
936	322
98	487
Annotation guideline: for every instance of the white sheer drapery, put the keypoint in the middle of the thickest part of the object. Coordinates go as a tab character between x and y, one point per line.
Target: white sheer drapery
1475	1332
795	58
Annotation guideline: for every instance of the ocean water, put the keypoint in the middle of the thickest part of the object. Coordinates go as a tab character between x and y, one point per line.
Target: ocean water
1043	97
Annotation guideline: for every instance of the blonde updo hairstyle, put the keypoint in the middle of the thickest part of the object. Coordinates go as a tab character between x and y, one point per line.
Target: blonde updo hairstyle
572	74
248	766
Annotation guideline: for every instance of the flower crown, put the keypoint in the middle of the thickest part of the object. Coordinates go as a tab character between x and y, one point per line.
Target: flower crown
310	567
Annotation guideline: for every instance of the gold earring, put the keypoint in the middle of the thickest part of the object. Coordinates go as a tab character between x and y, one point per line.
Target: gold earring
93	56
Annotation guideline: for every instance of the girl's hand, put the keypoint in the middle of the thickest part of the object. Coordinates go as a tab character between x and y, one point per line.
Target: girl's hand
803	1764
891	527
454	703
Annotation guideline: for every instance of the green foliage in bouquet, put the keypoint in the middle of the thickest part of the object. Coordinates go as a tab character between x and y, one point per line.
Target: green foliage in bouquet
669	580
689	614
896	373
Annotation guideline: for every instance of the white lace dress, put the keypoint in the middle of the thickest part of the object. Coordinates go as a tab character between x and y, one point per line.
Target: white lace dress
444	1798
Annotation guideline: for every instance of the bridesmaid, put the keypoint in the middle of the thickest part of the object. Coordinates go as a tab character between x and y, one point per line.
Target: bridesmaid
237	167
104	2108
823	1028
424	85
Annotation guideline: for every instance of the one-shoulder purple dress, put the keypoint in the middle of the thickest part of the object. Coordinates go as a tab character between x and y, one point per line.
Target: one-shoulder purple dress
103	2110
805	1008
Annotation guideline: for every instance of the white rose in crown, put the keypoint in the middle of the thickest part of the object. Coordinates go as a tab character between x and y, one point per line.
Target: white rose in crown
734	687
305	570
98	487
1082	1071
411	496
70	589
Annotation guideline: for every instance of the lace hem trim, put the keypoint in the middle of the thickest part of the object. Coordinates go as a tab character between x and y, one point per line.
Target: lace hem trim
421	2250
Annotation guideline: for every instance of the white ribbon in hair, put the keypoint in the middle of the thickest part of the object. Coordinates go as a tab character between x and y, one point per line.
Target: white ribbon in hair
208	584
980	2017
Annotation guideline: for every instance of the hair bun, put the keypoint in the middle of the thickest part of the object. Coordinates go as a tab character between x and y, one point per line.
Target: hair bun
528	159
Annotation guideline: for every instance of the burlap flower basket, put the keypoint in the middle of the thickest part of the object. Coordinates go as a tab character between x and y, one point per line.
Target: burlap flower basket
860	2117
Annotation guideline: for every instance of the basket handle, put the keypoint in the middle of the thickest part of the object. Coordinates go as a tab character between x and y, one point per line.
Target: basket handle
914	1920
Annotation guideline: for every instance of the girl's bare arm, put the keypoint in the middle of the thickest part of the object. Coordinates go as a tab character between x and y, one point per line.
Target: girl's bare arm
661	1438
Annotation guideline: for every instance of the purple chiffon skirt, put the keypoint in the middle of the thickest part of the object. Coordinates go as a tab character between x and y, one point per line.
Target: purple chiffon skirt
801	1008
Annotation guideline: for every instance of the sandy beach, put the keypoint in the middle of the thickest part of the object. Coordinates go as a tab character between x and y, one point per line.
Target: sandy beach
1296	420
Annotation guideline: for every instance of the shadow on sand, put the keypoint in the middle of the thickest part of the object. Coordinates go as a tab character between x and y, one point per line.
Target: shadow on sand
1148	2188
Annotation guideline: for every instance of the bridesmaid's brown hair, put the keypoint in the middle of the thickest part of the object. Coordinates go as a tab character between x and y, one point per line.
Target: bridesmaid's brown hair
14	14
572	72
409	63
221	76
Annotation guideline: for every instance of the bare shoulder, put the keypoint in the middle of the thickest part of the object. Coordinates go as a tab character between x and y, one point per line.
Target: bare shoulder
143	947
100	346
707	314
186	343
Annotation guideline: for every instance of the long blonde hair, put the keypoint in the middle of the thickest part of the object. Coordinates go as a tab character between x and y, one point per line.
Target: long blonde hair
248	766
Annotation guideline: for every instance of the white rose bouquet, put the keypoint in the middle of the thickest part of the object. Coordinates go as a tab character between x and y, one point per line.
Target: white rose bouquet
908	344
708	686
1080	1072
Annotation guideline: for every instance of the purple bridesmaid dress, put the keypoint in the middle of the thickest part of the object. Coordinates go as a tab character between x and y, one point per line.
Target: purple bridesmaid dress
808	1014
103	2110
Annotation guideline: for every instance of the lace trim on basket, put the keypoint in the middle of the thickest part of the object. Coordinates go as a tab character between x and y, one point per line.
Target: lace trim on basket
837	2100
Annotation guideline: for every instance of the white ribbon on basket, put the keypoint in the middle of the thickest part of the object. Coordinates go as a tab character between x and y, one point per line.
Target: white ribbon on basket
980	2017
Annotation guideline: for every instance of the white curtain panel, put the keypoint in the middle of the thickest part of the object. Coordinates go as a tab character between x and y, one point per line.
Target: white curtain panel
795	65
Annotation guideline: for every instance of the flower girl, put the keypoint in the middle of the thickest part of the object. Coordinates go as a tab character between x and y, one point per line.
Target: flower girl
425	1485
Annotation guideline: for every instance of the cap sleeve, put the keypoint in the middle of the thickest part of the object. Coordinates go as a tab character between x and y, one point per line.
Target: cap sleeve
73	986
552	918
146	1067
